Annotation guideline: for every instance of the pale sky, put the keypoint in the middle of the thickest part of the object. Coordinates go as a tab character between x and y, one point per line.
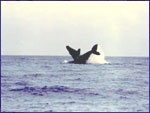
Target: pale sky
46	27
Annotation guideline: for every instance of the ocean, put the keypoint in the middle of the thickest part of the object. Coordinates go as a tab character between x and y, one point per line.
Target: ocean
47	84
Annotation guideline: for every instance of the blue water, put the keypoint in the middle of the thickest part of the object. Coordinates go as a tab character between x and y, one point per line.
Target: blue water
46	84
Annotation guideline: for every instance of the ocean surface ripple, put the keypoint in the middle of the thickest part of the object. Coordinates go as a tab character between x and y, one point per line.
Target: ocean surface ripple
46	84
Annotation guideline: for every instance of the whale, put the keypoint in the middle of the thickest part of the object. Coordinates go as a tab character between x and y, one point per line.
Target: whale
82	59
94	56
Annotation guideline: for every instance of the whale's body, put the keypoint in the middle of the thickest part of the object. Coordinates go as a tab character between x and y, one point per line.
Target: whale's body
95	55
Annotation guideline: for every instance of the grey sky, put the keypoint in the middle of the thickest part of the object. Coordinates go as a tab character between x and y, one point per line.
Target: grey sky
45	28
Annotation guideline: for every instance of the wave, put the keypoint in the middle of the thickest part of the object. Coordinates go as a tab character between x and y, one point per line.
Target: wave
56	89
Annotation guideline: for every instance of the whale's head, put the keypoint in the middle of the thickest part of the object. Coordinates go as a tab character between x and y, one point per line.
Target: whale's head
99	49
97	59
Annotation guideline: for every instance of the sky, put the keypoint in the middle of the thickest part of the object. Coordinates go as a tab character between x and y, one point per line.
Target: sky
46	27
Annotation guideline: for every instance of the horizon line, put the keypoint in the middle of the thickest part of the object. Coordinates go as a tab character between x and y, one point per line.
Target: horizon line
69	55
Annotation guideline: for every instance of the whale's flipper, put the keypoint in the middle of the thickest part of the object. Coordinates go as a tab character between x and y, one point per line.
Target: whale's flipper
75	54
94	50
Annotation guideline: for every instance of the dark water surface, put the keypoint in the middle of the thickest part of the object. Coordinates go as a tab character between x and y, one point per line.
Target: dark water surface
45	84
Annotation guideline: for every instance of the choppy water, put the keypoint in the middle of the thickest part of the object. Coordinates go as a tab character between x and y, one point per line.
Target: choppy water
45	84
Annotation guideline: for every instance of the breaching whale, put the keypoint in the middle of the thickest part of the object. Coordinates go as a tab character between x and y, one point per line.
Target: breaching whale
94	56
82	59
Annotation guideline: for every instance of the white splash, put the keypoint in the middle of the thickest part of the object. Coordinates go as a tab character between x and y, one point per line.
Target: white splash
97	59
65	61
